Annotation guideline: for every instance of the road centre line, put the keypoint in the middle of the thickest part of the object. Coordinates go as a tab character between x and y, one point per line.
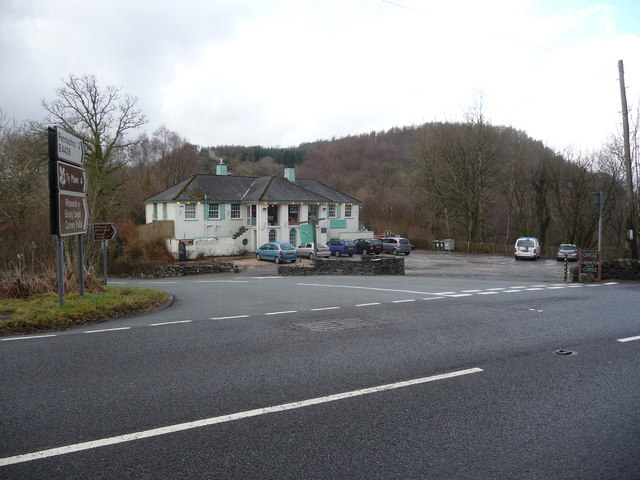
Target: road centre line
221	281
78	447
324	308
403	301
471	291
230	317
488	293
433	298
281	313
169	323
456	295
533	289
367	304
555	288
510	291
107	330
629	339
25	338
365	288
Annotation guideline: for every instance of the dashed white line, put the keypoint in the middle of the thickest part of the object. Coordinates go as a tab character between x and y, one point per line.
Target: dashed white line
367	304
324	308
403	301
496	289
78	447
456	295
221	281
107	330
533	289
471	291
443	293
25	338
511	291
433	298
488	293
229	318
281	313
169	323
629	339
555	288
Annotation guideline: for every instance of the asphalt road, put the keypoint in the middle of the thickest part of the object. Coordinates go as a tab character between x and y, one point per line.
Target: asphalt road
466	367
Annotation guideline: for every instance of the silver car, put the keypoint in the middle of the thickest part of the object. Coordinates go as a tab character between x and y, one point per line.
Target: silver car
306	250
396	245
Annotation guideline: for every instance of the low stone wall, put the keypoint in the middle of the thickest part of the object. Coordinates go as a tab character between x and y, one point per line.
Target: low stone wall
621	269
180	270
367	266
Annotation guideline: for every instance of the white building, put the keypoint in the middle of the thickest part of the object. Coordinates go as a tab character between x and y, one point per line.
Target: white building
218	215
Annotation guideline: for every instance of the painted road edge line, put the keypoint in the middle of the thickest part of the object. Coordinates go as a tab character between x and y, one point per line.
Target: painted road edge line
629	339
53	452
25	338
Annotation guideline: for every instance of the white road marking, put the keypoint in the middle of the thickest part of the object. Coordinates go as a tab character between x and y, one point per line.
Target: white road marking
533	289
367	304
229	318
24	338
555	288
159	282
629	339
433	298
281	313
364	288
324	308
460	295
267	278
471	291
78	447
488	293
443	293
169	323
221	281
108	330
593	284
403	301
510	291
496	289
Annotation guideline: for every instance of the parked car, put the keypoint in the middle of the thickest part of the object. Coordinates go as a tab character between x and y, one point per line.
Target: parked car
368	246
568	251
527	247
277	251
342	247
306	250
396	245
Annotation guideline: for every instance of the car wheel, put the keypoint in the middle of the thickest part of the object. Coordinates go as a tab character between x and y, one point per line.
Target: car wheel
395	251
258	256
516	258
276	259
311	255
407	253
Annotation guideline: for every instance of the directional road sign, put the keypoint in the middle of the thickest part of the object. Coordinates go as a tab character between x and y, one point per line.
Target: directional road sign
70	178
73	214
68	147
105	231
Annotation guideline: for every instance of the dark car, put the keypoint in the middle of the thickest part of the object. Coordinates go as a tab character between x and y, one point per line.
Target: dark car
396	245
568	251
342	247
368	246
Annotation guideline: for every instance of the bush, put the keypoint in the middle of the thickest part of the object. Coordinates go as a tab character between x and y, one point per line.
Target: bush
21	284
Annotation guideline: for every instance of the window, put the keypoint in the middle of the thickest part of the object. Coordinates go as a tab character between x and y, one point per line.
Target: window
235	210
155	211
293	215
313	211
165	214
190	211
293	237
347	211
332	211
272	235
214	211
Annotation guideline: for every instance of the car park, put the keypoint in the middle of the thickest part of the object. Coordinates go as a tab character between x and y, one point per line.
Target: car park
277	252
568	251
396	245
368	246
306	250
340	247
527	247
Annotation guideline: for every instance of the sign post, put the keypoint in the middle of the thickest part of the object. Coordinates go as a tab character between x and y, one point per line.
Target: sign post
105	232
68	210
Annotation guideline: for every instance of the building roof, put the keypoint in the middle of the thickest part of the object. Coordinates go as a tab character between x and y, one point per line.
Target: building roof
227	188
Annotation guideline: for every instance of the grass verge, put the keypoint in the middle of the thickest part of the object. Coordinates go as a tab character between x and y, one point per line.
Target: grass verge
42	312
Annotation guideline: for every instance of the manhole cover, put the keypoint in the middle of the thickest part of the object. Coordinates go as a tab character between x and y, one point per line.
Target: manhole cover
337	324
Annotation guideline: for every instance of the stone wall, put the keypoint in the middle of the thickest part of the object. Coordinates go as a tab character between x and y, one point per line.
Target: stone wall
621	269
366	266
180	270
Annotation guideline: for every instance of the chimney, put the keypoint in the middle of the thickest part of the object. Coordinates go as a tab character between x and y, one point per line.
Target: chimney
221	168
290	173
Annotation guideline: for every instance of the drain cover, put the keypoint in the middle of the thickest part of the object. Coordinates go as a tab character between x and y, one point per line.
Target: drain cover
564	352
337	324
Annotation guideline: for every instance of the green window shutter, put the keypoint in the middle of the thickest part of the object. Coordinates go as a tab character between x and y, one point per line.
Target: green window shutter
338	211
223	209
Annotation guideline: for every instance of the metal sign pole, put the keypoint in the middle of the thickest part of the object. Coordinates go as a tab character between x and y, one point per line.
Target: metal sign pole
104	259
60	270
80	265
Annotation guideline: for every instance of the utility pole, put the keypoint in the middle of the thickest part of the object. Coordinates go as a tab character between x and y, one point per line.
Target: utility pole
631	233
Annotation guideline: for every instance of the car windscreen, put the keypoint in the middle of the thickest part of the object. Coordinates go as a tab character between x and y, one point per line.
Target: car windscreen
567	247
404	241
349	243
322	245
287	246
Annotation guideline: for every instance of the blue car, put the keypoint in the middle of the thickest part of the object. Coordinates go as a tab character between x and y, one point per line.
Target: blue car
277	251
342	247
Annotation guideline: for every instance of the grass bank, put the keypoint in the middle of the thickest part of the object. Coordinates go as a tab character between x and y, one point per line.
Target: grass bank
41	312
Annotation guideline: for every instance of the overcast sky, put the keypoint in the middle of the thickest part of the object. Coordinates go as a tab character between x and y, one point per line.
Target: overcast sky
283	72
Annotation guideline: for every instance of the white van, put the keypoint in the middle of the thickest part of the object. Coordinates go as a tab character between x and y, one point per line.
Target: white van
527	247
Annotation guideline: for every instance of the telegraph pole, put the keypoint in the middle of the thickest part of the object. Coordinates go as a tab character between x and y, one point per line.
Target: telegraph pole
631	233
